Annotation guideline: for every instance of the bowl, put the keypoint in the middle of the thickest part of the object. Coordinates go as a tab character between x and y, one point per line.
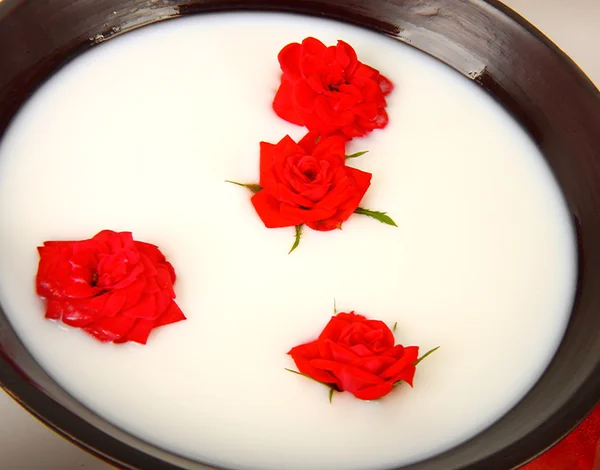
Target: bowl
483	40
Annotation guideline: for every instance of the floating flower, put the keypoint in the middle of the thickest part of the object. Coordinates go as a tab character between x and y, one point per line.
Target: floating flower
113	287
357	355
329	91
309	183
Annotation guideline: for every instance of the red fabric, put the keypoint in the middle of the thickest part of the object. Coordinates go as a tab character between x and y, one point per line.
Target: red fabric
580	450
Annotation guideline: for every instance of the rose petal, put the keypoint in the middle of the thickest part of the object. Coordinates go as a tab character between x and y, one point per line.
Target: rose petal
347	201
332	148
387	339
269	210
309	142
305	216
303	355
314	123
78	288
375	392
313	46
353	378
353	130
55	277
340	353
370	92
385	85
145	309
379	122
138	333
342	200
374	364
134	293
162	280
311	67
407	375
118	270
404	363
152	285
114	241
333	118
350	379
110	329
364	71
315	81
361	350
283	103
54	309
289	59
266	164
367	112
304	98
172	314
287	196
283	151
346	57
338	323
114	303
360	333
81	312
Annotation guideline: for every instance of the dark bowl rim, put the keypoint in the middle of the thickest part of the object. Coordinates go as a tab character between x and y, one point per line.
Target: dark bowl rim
65	423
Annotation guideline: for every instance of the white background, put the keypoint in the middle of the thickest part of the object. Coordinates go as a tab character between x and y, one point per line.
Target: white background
27	444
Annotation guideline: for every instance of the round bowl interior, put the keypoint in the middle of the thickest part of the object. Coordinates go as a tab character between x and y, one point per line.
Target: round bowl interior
483	40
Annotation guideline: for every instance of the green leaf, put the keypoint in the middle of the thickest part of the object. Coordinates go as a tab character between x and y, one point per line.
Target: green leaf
251	186
297	240
333	388
416	362
300	373
381	216
395	326
305	375
357	154
425	355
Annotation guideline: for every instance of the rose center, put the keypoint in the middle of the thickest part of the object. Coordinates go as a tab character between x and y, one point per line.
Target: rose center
310	174
94	281
334	86
309	168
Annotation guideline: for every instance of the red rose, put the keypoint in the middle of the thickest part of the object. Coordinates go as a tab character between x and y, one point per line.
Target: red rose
328	90
113	287
307	183
357	355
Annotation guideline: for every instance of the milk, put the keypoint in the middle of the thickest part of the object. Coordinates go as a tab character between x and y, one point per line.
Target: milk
140	133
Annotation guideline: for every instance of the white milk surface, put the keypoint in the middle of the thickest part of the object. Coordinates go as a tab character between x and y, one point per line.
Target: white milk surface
139	135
